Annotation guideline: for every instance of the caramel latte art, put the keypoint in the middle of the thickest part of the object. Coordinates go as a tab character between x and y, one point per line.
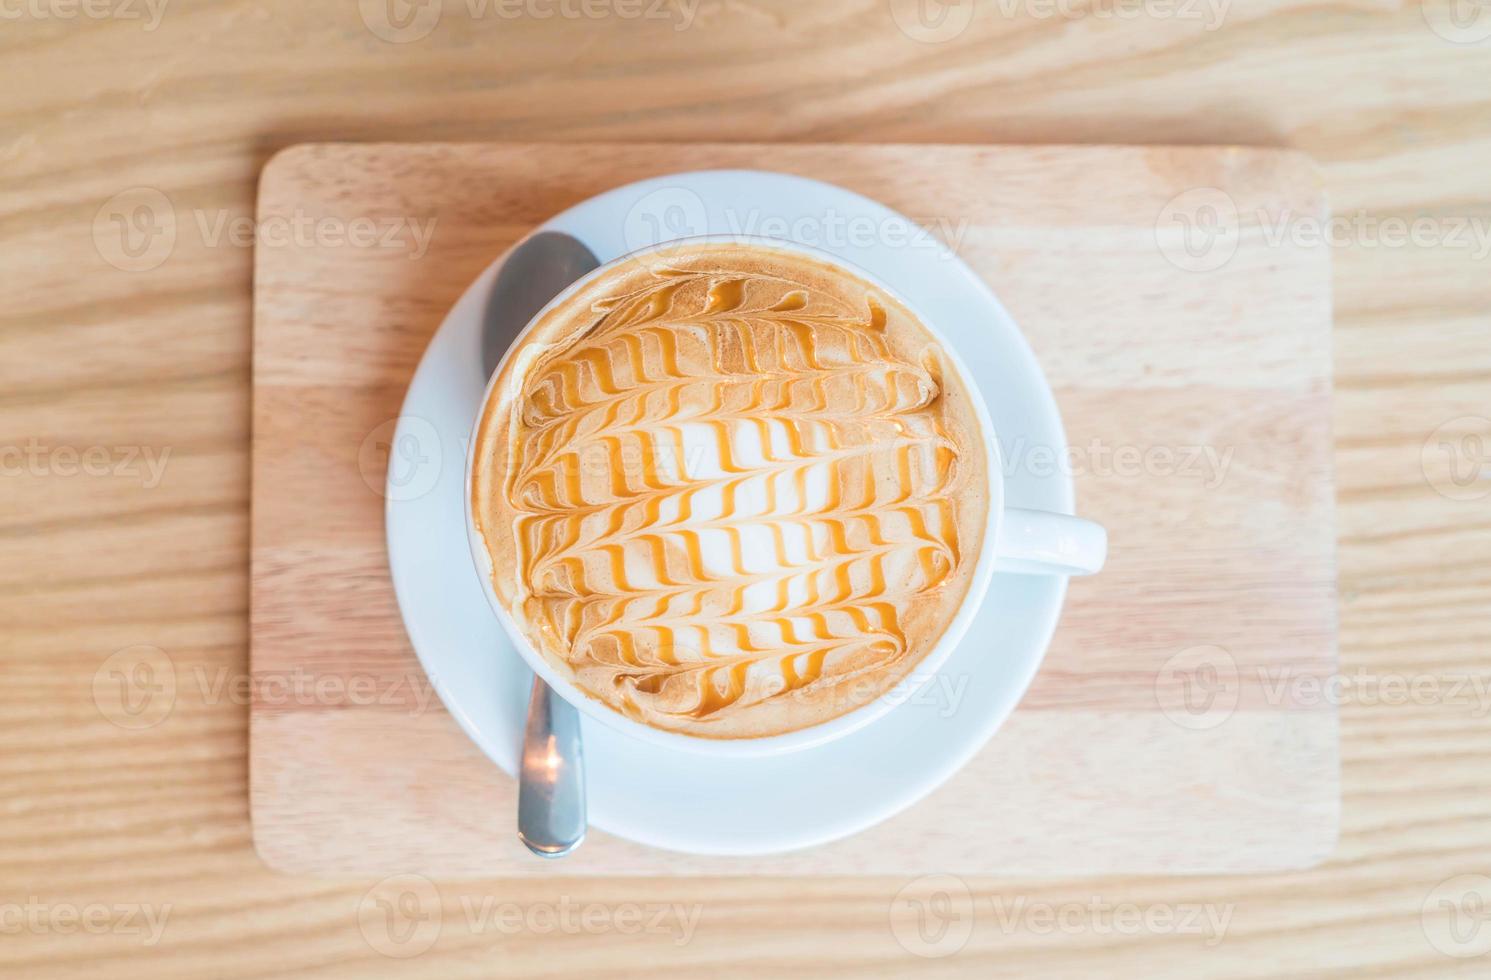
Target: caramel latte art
729	490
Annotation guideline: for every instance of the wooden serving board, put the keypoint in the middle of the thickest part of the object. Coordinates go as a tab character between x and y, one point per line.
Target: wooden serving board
1183	720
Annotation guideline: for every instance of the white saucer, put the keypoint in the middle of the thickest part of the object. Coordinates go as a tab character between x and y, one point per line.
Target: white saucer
676	799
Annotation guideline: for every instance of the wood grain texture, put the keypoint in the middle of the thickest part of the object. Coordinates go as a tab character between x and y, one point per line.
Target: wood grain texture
1198	403
93	355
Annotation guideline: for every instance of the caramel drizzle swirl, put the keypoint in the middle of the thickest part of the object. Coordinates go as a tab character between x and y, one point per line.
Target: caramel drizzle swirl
729	489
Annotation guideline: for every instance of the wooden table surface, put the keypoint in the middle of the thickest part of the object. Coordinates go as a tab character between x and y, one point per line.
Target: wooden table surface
124	377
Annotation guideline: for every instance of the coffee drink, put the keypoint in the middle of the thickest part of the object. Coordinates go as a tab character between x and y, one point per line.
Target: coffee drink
730	490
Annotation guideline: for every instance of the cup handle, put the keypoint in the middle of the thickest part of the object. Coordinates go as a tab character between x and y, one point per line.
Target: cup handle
1038	542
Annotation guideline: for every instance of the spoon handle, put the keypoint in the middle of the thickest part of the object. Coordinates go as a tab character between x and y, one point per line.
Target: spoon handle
551	783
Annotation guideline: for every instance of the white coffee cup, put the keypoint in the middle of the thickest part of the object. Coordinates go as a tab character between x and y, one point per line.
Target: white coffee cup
1015	540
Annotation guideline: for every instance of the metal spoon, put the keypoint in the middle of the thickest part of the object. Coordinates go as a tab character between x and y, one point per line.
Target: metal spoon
551	778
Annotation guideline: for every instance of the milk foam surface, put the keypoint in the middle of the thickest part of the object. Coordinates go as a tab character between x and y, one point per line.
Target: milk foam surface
730	491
